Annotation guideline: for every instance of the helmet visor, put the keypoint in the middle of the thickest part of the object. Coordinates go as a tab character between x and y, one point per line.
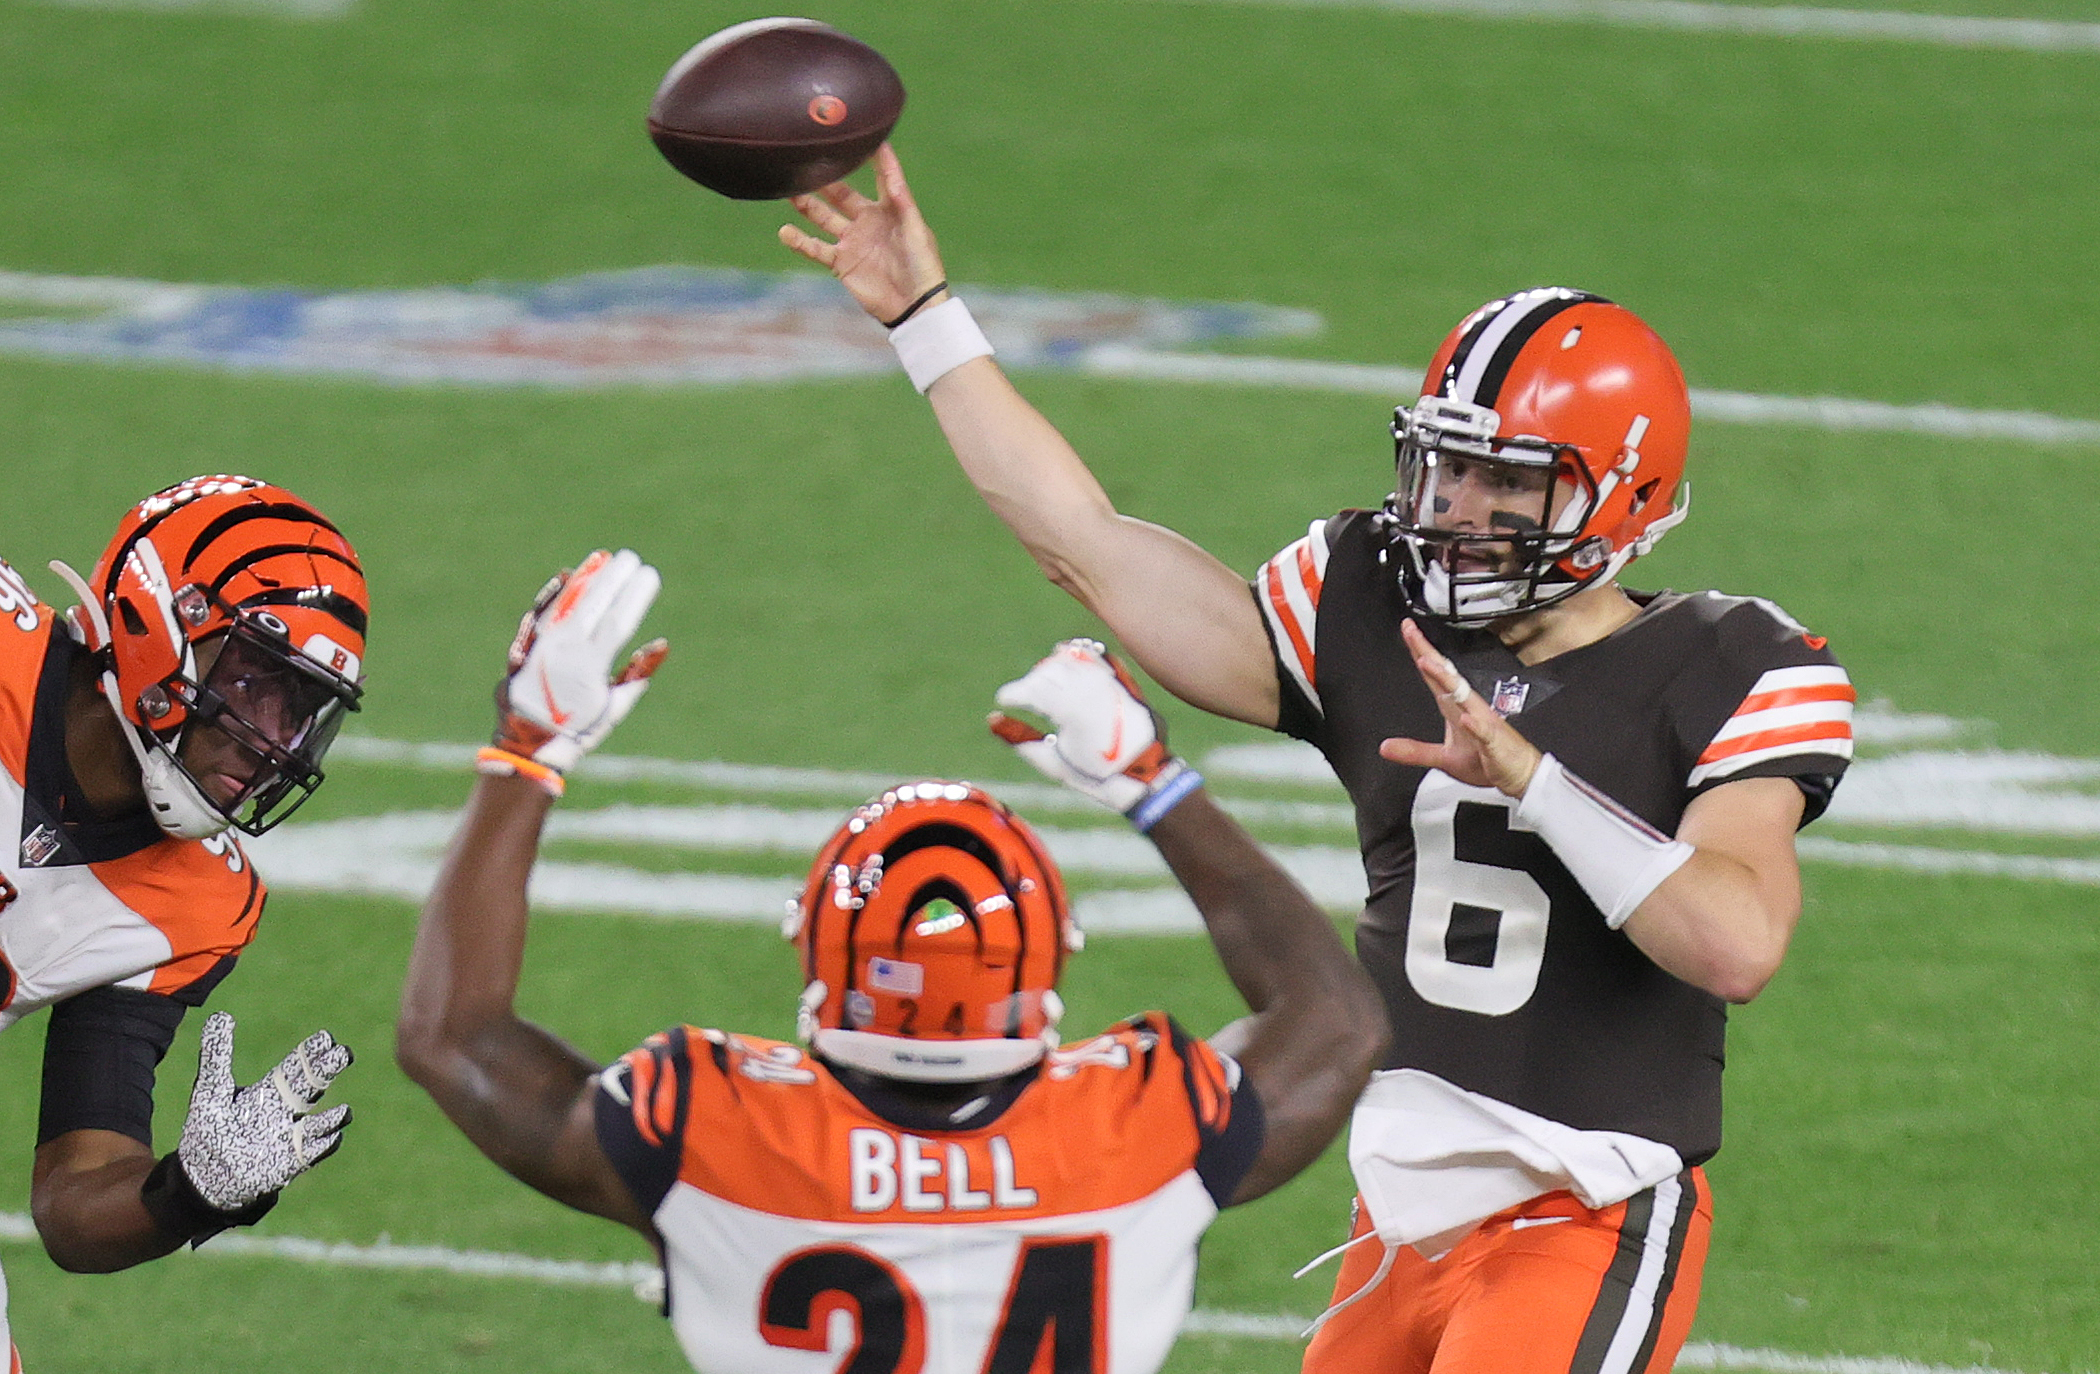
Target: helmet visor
259	724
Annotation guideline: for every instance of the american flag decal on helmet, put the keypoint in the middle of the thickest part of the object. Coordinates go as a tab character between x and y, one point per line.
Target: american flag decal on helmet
1806	710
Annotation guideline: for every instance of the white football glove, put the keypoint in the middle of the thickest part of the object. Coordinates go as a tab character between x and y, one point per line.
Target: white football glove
1104	740
241	1145
561	697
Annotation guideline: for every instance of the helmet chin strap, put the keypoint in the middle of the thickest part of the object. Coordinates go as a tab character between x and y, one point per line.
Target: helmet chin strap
178	807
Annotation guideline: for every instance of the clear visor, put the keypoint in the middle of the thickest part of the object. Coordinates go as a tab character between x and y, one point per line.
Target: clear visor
259	724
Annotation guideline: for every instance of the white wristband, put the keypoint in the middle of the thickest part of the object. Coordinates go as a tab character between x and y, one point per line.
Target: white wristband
1616	857
933	343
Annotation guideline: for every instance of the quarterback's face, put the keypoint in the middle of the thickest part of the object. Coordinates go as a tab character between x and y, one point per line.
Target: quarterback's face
1484	499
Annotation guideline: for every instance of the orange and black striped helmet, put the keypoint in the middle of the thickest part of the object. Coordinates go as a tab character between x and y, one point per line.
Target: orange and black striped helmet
232	615
933	929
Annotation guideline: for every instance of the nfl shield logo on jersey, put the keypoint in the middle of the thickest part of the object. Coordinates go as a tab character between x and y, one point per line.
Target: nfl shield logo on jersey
39	846
1509	695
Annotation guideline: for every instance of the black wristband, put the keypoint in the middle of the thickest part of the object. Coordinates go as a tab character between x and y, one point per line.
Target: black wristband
180	1210
913	308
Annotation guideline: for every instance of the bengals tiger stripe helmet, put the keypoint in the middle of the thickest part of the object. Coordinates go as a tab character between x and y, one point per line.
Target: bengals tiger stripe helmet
229	616
1579	412
932	931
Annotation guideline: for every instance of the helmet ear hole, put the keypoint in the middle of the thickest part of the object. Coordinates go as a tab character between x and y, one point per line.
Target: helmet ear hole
1645	493
133	621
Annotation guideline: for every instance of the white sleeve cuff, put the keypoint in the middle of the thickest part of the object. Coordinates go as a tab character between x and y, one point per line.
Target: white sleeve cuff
1617	858
934	342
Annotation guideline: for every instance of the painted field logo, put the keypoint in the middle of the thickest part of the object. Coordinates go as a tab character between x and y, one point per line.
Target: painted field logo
664	325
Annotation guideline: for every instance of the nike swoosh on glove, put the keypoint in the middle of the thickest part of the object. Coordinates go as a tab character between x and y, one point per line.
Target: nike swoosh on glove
561	697
241	1144
1104	741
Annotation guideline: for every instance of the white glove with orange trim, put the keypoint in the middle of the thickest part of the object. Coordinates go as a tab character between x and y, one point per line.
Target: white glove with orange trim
562	697
1105	741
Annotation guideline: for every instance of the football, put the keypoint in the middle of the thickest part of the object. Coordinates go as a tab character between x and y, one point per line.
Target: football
774	107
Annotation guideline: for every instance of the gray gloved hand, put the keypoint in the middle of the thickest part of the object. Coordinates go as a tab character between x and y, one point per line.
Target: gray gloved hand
241	1144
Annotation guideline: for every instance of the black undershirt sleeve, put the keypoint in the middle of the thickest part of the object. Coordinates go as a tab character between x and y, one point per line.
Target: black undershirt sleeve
100	1054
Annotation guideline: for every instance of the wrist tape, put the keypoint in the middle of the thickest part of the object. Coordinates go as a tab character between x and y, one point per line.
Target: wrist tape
180	1210
496	762
1176	781
933	343
1616	857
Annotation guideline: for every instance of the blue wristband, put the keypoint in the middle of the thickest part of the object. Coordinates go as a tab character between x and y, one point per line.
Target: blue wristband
1148	812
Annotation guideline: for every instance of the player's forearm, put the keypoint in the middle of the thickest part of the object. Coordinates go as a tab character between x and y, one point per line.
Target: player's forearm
88	1210
1184	616
1714	925
457	1034
1025	470
470	944
1319	1026
1277	947
507	1084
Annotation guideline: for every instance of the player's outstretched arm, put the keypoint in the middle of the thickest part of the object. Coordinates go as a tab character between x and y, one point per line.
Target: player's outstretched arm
1319	1026
1186	617
1715	906
518	1092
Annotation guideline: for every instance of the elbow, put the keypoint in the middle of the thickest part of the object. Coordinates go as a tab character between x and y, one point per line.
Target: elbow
419	1048
1742	976
1740	986
64	1242
1063	576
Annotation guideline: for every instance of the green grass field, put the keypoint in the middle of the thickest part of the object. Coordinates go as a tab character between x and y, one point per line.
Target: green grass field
1911	1121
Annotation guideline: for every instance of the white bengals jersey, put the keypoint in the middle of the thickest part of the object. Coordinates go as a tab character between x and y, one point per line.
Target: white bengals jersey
804	1232
91	904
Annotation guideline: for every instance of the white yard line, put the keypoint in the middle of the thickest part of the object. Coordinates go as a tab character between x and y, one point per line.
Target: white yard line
1766	21
1730	407
1925	859
397	854
280	9
643	1279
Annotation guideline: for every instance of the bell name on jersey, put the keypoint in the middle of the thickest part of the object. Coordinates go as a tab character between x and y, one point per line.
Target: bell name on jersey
1498	972
1060	1223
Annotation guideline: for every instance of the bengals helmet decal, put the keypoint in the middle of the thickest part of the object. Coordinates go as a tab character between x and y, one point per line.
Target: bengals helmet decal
932	931
1576	414
231	618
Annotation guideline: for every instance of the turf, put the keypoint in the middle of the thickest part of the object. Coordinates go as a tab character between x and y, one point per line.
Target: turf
1910	1104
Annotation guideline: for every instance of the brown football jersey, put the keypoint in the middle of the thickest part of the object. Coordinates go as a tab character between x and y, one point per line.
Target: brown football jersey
1498	971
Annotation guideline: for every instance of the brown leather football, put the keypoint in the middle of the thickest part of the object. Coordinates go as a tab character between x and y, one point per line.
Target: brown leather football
774	107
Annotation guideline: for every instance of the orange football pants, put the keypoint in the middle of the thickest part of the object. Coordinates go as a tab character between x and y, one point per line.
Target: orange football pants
1551	1287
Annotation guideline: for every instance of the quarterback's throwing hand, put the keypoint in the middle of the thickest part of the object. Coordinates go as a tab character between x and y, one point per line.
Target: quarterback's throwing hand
1479	747
883	252
561	696
240	1145
1104	740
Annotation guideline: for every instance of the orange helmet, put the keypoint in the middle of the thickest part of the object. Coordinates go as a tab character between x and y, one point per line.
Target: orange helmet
230	616
932	931
1574	415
